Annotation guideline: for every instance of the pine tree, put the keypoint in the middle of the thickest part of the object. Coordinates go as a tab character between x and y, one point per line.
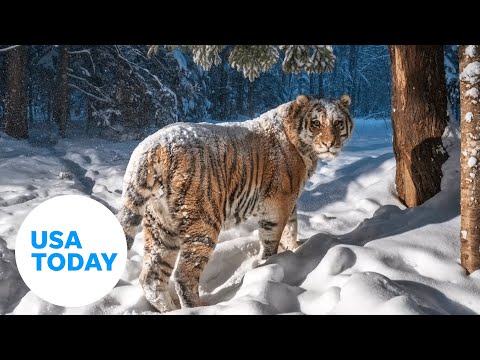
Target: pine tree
470	143
253	60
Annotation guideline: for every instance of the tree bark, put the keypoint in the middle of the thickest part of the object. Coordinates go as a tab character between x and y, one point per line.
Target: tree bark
419	118
352	68
311	80
320	85
62	95
239	102
470	177
16	123
251	99
223	91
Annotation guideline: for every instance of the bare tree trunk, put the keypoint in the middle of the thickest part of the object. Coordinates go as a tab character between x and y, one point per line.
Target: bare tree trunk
223	91
251	99
353	87
352	68
470	176
419	118
62	95
320	85
89	107
311	80
50	106
30	103
16	123
290	85
240	83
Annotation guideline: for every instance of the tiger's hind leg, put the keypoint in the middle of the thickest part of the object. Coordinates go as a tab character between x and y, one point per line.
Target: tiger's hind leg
194	255
161	252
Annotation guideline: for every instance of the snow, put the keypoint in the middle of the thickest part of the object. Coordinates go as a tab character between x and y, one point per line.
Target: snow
471	73
468	117
471	50
473	93
472	161
364	252
181	60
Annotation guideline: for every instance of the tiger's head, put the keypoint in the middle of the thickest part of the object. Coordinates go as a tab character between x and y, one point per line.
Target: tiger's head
319	126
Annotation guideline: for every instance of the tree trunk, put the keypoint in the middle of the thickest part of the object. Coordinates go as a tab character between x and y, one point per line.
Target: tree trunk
419	118
50	106
62	95
311	80
239	101
290	85
320	85
352	68
251	99
30	103
223	91
90	120
353	86
470	176
16	123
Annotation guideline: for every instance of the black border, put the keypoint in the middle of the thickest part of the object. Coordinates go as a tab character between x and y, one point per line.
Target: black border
299	23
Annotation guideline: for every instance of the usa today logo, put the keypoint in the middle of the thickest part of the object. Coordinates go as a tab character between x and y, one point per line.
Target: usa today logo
71	250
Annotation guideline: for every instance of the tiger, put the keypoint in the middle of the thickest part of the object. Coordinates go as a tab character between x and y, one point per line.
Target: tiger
188	181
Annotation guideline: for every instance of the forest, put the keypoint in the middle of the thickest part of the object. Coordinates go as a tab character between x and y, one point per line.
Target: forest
106	89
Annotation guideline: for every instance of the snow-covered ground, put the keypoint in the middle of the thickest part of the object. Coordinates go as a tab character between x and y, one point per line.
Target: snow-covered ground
365	253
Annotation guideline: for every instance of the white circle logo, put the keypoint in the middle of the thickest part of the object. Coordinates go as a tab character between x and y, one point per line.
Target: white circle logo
71	250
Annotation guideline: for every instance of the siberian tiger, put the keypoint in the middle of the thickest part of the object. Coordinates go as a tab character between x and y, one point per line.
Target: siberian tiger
188	181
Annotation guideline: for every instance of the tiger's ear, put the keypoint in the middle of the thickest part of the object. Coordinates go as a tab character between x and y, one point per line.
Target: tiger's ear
345	100
302	100
297	107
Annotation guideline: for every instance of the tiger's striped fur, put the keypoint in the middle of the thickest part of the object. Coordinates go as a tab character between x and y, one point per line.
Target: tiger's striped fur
188	181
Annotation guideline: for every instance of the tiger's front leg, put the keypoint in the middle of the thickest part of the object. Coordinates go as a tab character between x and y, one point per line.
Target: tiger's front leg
289	236
272	224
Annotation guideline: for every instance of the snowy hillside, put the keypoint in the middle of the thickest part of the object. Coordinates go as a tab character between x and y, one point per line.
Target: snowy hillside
365	253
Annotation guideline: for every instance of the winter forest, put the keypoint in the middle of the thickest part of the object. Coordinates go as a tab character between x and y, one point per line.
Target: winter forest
112	90
387	227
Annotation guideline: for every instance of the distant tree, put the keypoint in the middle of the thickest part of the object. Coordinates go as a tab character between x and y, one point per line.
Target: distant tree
452	75
61	105
117	89
419	118
470	144
16	105
251	99
120	88
353	72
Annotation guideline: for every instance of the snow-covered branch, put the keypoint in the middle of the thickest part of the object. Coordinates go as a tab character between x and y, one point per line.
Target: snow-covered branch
155	77
84	51
88	83
9	48
87	52
87	93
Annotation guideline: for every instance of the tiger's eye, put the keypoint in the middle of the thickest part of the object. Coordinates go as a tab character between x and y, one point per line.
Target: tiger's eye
316	123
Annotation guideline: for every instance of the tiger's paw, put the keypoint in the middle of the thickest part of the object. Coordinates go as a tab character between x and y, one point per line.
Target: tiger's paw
292	246
259	262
